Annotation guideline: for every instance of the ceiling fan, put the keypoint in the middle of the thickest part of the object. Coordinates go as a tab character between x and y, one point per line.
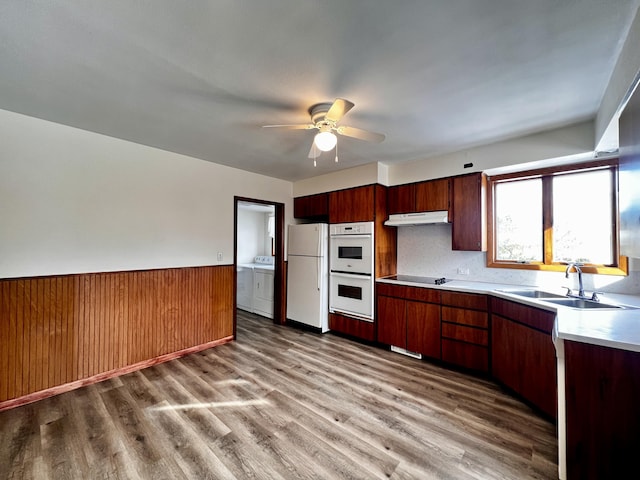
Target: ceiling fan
324	117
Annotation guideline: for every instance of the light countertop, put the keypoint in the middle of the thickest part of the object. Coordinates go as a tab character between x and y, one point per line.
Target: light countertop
615	328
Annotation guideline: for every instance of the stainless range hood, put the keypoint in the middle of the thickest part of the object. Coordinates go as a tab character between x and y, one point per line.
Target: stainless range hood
420	218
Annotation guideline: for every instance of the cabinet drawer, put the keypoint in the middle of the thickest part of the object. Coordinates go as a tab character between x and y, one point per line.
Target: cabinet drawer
465	317
479	336
474	357
533	317
465	300
409	293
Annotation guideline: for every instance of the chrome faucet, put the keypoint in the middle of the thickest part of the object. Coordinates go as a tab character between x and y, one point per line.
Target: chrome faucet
576	267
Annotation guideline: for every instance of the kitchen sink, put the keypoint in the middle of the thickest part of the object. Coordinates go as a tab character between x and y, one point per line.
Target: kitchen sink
579	303
533	294
562	300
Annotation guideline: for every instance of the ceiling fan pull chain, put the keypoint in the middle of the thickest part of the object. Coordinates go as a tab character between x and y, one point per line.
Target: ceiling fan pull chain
336	152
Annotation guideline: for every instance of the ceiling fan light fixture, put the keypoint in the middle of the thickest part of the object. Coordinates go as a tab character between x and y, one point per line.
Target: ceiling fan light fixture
325	141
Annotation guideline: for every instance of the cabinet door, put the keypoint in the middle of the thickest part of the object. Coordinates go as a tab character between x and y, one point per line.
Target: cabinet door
352	205
602	398
264	285
312	207
468	231
401	199
524	359
391	319
423	328
432	195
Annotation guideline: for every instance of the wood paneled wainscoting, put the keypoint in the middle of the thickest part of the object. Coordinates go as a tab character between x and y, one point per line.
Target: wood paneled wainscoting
61	332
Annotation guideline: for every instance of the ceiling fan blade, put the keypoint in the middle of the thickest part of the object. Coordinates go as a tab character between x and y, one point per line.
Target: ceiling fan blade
338	110
307	126
314	152
361	134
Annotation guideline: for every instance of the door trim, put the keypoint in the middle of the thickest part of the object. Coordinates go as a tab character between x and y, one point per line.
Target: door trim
279	278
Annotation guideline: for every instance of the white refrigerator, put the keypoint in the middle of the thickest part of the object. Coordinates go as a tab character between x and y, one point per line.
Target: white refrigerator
308	275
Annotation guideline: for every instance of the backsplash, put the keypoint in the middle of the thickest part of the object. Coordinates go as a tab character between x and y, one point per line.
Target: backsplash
426	250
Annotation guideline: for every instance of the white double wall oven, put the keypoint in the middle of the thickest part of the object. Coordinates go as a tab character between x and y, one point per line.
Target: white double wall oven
351	277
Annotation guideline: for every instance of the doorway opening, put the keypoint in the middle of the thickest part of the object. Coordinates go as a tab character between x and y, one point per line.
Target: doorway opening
259	258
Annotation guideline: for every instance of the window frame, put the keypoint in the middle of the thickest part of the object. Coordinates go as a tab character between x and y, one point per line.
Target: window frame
546	174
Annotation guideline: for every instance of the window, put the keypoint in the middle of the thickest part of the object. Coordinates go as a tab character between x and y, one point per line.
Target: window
543	219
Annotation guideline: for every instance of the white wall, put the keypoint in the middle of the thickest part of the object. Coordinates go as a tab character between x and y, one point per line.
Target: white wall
253	237
250	235
426	251
568	141
73	201
350	177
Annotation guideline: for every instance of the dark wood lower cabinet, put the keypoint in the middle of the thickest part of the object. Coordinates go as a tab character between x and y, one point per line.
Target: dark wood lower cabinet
465	330
352	327
523	357
392	321
409	320
423	328
602	404
524	360
466	355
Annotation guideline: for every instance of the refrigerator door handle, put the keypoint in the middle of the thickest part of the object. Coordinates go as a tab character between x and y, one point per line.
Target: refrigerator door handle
318	272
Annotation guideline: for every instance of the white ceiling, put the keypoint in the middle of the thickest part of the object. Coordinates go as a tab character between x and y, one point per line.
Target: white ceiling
200	77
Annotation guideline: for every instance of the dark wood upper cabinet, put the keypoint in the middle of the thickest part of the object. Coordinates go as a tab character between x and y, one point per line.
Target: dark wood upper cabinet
425	196
401	199
629	192
352	205
312	207
468	213
432	195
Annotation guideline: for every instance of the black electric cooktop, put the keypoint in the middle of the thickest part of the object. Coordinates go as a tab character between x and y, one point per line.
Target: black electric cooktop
417	279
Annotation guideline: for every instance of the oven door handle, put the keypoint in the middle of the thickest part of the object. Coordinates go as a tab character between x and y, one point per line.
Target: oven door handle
355	276
361	235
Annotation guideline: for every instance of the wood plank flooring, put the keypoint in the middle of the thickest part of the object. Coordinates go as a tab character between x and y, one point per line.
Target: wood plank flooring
281	403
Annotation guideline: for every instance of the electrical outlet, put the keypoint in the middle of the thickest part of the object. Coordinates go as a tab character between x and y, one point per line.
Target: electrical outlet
463	271
219	256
